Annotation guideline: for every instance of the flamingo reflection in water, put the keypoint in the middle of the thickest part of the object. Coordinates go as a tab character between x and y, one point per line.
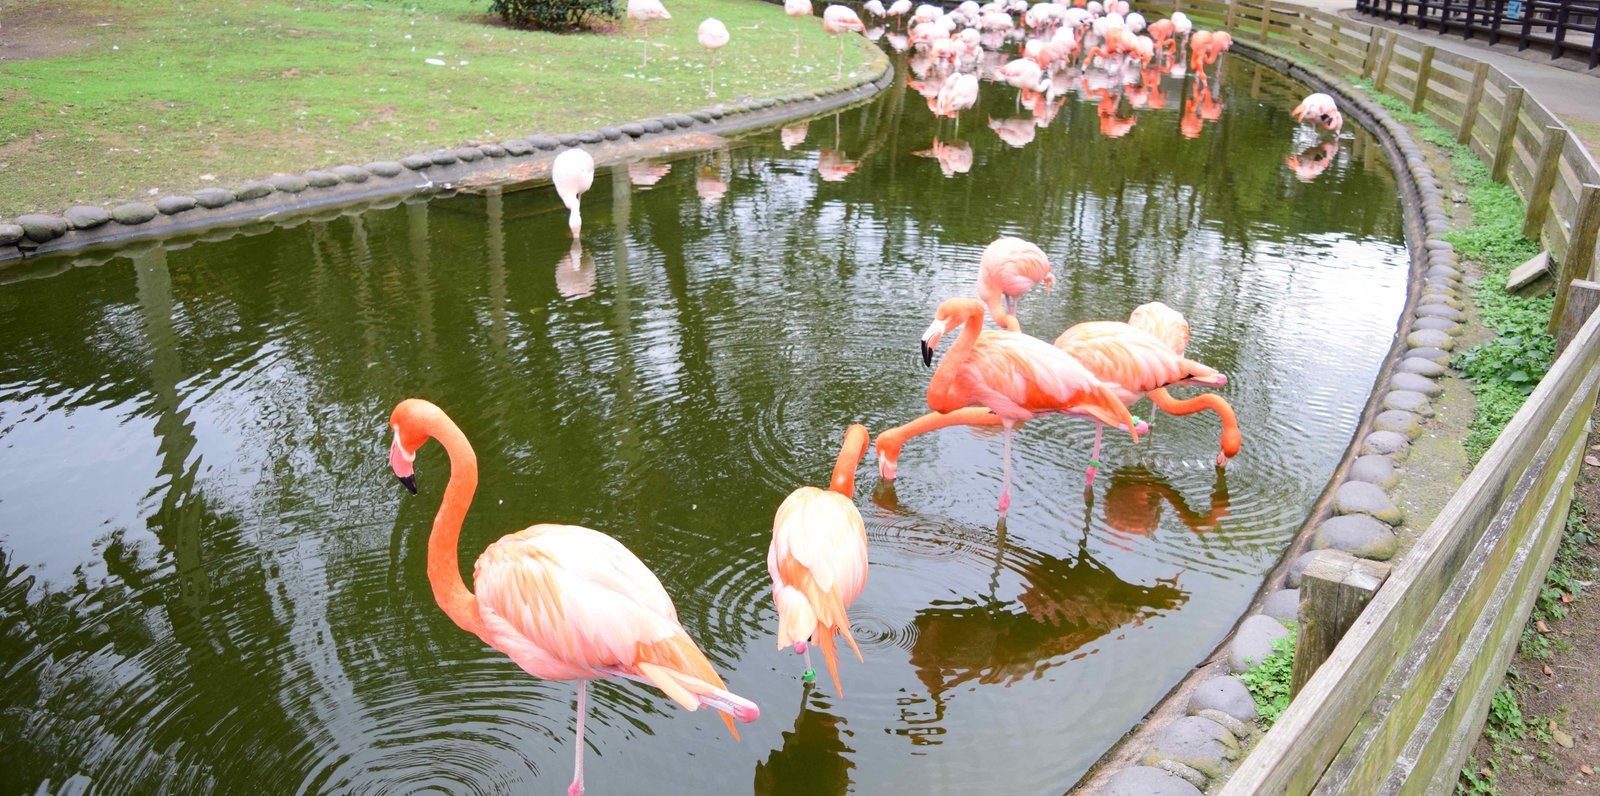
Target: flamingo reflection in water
954	157
1018	132
710	185
644	173
1136	496
813	757
575	275
832	166
794	135
1310	164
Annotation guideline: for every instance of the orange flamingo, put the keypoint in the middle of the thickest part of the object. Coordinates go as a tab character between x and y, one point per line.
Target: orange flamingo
562	601
1132	362
890	442
818	560
1169	326
1015	376
1009	268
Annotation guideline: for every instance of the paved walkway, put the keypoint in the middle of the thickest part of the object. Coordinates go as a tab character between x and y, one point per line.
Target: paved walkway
1572	95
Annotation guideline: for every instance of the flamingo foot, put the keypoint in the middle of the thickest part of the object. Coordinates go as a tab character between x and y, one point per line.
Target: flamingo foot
575	789
1005	501
1222	460
1094	467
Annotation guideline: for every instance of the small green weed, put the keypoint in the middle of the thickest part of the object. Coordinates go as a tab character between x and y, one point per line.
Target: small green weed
1479	779
1270	679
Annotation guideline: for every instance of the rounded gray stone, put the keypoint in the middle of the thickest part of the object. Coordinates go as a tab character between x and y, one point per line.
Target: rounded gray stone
492	150
1439	245
86	216
1146	781
252	190
416	162
1445	325
1297	570
1386	443
467	154
323	179
544	142
685	120
350	173
10	234
701	116
1358	535
1184	772
591	137
1227	694
1438	355
1415	383
1374	470
384	168
517	147
610	132
654	126
1440	310
1198	743
173	205
1442	272
442	157
212	198
289	183
133	213
1421	367
1253	643
1361	497
1399	422
1283	605
1408	401
42	227
568	140
633	129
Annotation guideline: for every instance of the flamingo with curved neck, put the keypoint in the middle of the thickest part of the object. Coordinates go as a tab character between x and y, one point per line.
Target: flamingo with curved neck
1169	326
562	601
818	560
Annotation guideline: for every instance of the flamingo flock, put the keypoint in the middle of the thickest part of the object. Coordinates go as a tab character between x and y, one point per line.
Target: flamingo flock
565	602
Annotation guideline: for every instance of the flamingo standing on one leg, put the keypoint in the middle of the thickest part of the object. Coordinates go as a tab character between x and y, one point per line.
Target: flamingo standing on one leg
1015	376
713	36
797	9
956	95
899	8
839	19
644	11
562	601
818	560
1009	268
573	174
1169	325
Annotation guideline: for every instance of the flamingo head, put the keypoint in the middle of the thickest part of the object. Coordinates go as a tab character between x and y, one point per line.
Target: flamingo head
952	313
409	435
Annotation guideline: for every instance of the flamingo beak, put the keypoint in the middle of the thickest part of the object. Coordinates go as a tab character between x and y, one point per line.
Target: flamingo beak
409	482
930	340
400	460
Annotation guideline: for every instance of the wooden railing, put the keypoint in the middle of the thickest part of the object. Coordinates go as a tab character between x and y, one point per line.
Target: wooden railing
1559	24
1402	697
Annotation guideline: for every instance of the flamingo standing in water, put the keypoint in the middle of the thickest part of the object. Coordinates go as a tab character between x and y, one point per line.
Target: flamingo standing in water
1169	326
840	19
713	36
573	174
1009	268
1322	110
797	9
818	560
562	601
1013	375
643	11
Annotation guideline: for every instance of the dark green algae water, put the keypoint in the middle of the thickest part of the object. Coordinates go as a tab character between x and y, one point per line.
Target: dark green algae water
209	581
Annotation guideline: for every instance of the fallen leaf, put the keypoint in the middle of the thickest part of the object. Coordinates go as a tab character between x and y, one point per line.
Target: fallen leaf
1591	460
1548	672
1543	628
1566	598
1587	771
1562	738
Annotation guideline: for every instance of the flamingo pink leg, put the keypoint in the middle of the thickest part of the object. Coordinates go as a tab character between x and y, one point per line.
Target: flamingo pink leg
646	52
1005	492
1094	458
576	788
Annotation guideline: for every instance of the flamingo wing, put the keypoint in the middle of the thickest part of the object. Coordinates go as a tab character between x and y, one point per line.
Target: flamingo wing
1018	376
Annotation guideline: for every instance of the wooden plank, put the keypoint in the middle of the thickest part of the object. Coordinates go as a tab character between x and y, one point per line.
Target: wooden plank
1544	181
1438	76
1508	131
1529	273
1266	18
1299	747
1233	11
1556	238
1333	590
1577	267
1583	298
1469	111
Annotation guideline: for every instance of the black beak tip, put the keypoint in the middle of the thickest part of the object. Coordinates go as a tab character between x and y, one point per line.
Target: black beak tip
927	354
409	482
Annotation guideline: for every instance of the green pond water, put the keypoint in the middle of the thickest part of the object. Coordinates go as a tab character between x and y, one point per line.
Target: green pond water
210	581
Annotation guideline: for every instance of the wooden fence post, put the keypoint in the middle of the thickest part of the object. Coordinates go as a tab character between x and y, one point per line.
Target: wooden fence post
1469	114
1544	182
1383	61
1370	60
1508	133
1580	252
1334	589
1266	19
1424	72
1233	13
1583	298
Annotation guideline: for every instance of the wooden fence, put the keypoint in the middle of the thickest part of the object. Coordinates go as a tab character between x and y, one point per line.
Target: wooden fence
1559	24
1403	696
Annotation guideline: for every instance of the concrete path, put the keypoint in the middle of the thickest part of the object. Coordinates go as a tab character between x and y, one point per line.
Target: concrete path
1572	95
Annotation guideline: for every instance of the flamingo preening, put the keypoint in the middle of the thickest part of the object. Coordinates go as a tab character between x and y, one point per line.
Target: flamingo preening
573	175
1009	268
562	601
838	19
1321	110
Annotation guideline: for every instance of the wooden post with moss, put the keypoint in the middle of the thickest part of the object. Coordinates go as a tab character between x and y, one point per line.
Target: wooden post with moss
1583	298
1369	60
1424	73
1544	181
1266	19
1469	113
1335	588
1575	264
1383	61
1508	133
1233	14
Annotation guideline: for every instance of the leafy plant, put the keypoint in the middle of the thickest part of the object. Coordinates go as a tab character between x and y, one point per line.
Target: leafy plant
1270	679
1479	780
554	14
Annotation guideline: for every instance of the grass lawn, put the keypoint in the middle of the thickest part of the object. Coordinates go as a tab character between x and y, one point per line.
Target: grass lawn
114	98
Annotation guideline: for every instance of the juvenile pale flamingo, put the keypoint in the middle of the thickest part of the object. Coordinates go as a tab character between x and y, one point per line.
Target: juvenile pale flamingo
1013	375
1009	268
956	95
1132	362
797	9
818	560
713	36
573	174
875	8
1169	326
643	11
838	19
562	601
1322	110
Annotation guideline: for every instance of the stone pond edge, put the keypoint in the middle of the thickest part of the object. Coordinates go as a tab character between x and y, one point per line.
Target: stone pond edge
1202	729
424	173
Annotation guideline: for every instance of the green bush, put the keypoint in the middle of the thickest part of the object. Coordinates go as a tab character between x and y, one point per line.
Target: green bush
558	15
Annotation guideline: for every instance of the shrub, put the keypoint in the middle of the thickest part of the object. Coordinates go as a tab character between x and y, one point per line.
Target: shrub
556	15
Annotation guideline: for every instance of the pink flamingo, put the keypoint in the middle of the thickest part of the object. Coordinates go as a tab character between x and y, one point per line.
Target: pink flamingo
713	36
643	11
1013	375
890	442
1169	326
573	174
956	95
1132	362
839	19
1322	110
562	601
818	560
1009	268
797	9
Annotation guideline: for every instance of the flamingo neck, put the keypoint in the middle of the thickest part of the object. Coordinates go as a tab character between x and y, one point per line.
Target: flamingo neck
942	393
995	301
1232	439
444	568
574	221
844	470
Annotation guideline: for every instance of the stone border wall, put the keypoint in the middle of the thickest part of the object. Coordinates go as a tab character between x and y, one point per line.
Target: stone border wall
431	172
1196	735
